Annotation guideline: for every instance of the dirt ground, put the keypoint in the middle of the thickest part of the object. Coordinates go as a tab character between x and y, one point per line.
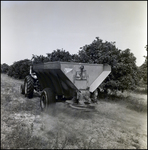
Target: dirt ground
111	125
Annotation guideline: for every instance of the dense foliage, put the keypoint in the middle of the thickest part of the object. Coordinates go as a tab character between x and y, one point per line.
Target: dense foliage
143	70
39	59
4	68
19	69
56	55
124	72
59	55
123	64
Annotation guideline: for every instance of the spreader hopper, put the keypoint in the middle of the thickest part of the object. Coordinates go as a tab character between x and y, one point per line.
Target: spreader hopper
68	75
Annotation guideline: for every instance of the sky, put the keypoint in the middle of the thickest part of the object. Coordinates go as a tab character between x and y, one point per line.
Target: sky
39	27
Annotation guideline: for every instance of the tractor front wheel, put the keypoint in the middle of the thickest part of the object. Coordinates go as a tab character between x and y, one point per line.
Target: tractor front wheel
47	98
29	86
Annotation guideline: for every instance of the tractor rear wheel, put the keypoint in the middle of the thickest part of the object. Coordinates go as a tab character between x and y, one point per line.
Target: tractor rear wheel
29	86
47	98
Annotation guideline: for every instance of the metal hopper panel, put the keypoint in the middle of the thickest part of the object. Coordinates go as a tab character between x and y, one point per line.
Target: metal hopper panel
64	76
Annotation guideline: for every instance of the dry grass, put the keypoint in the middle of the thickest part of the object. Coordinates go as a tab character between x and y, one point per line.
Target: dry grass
116	122
131	99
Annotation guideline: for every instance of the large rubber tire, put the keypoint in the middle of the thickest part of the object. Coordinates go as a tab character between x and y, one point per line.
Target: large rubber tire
47	98
22	89
29	86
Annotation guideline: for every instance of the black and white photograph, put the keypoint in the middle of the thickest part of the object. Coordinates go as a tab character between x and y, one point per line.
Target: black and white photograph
73	74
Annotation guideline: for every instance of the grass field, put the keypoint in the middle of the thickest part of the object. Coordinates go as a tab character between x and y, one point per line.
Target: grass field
116	122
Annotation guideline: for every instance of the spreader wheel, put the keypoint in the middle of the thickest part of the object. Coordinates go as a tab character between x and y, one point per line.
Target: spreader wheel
47	98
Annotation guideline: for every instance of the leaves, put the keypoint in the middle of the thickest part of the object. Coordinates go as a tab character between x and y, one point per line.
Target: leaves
59	55
124	70
19	69
4	68
143	70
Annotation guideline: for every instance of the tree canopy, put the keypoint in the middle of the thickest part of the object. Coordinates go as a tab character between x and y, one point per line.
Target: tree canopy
4	68
59	55
124	72
123	64
19	69
143	70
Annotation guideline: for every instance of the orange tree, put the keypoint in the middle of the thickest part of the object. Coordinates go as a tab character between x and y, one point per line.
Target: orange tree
19	69
4	68
143	70
59	55
124	71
